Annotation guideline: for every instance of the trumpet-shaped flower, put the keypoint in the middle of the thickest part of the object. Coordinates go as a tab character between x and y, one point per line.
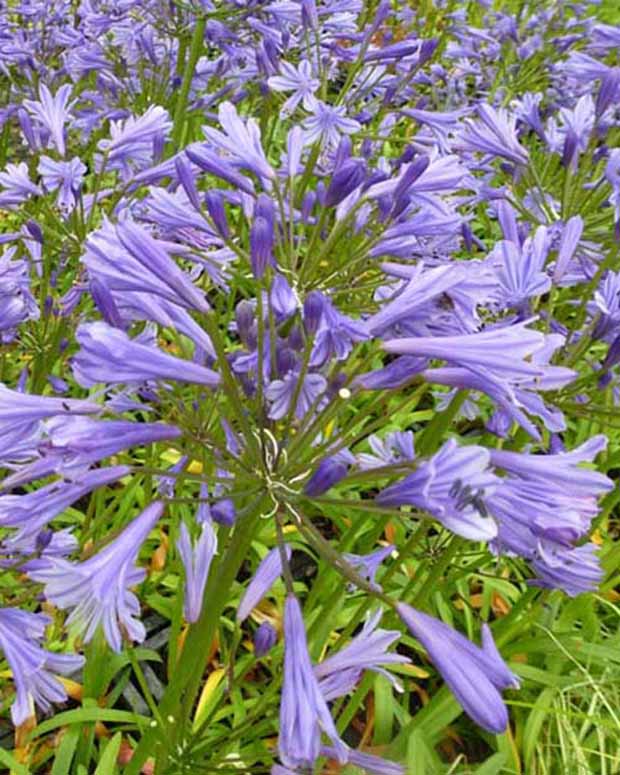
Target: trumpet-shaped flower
303	710
109	356
196	562
452	486
269	569
475	674
52	111
97	590
32	666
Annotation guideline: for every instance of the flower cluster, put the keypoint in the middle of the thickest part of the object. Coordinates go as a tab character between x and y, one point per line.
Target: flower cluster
274	273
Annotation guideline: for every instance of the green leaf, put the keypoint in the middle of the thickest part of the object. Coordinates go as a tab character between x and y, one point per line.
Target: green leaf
15	767
107	763
384	710
493	765
66	751
84	715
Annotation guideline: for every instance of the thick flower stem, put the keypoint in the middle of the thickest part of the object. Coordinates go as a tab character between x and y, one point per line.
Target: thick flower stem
185	685
195	50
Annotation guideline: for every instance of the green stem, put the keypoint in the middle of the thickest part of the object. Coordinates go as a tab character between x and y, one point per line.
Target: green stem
180	111
191	666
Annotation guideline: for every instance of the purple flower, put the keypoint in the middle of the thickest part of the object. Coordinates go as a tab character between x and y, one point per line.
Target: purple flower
223	512
571	234
367	565
107	355
501	352
494	133
17	185
21	411
97	590
261	246
421	288
268	571
347	177
17	303
300	81
32	666
329	472
395	375
574	570
265	639
196	562
520	270
327	123
397	447
64	176
241	141
336	335
339	674
476	675
561	469
52	111
209	161
69	445
126	257
34	510
452	486
303	709
133	142
375	765
280	393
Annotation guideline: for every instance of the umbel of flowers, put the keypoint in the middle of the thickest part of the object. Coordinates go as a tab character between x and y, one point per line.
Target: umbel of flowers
289	227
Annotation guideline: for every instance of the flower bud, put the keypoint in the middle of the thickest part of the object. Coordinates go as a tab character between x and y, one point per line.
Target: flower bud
244	317
215	207
261	244
186	179
329	472
346	179
313	311
223	512
265	639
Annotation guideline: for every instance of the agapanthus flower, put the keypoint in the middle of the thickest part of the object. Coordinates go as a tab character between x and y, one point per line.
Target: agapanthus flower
339	673
303	710
19	412
52	111
32	511
376	765
397	447
240	141
475	674
367	565
453	486
520	268
269	569
97	590
64	176
336	335
494	133
280	393
15	180
133	141
500	352
571	234
265	638
327	124
32	667
17	303
107	355
196	563
300	81
126	257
